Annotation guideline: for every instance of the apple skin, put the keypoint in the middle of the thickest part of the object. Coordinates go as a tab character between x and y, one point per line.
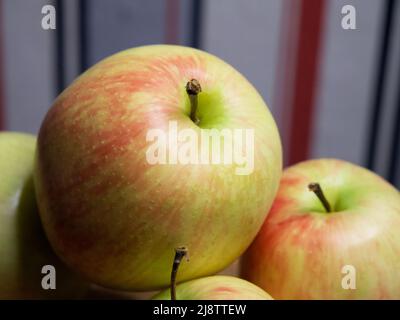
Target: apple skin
116	219
24	249
300	250
216	288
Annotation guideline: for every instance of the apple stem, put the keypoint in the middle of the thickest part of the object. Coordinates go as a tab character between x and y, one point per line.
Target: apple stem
193	88
316	188
180	252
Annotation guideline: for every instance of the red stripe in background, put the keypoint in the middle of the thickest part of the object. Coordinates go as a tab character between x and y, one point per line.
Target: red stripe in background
172	22
306	71
284	75
2	100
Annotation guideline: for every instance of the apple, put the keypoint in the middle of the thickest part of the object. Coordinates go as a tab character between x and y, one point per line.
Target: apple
216	288
24	249
113	209
342	242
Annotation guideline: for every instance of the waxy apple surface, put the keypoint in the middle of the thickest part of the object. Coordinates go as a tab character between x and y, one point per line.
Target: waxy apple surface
24	249
216	288
301	249
114	217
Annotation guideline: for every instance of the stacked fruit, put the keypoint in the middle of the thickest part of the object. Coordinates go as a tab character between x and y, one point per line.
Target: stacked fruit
126	187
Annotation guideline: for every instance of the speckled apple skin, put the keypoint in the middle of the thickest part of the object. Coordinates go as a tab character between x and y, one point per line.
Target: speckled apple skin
300	251
115	218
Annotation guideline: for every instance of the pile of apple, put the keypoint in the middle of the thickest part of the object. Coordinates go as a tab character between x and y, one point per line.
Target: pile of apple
83	198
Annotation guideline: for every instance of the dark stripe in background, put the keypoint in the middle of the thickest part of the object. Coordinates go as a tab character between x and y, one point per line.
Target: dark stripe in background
197	11
60	48
383	60
394	162
83	34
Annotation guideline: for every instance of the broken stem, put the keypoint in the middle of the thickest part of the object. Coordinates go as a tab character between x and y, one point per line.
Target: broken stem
193	88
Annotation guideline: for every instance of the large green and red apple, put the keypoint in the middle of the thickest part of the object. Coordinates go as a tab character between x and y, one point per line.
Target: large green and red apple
216	288
351	252
24	249
116	218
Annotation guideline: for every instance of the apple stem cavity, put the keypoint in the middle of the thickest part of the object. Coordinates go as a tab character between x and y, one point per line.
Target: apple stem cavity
193	88
316	188
180	253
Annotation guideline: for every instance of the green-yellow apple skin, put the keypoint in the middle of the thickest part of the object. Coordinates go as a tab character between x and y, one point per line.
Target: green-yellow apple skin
24	249
301	249
216	288
116	218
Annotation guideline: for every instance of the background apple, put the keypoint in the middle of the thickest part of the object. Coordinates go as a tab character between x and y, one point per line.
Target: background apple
114	217
24	249
301	249
216	288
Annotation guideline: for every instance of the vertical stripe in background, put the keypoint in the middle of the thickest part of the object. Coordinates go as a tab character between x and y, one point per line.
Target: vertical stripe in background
380	80
83	34
172	22
306	71
383	150
72	61
284	75
394	162
197	16
60	48
69	42
2	100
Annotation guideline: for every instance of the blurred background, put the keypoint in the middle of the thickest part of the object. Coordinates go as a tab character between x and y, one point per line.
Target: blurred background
334	92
